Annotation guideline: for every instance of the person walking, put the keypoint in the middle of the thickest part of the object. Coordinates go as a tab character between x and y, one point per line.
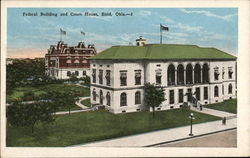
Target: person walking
224	121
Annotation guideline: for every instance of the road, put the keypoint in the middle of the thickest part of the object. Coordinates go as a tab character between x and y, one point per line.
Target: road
222	139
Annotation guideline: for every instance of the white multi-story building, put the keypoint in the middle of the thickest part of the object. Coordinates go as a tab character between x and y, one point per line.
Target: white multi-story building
120	72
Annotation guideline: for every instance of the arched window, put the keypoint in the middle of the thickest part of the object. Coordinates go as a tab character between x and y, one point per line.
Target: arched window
205	74
138	97
189	74
101	97
108	98
197	73
216	91
230	88
180	75
171	74
94	94
123	99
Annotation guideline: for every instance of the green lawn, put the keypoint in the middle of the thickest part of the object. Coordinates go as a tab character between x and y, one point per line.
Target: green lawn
86	102
91	126
228	106
38	91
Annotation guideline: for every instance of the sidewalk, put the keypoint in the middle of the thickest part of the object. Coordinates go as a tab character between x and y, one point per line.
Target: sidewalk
74	111
78	103
168	135
214	112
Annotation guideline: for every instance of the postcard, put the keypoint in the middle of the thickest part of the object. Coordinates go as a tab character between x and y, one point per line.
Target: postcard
125	79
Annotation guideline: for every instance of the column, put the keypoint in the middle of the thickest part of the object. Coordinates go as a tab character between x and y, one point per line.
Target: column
208	73
193	74
201	75
175	81
184	77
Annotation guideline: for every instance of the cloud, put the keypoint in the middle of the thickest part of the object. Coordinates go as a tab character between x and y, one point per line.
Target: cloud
145	13
187	28
166	19
209	14
27	20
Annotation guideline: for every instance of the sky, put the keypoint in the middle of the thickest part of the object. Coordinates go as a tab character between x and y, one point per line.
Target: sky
31	36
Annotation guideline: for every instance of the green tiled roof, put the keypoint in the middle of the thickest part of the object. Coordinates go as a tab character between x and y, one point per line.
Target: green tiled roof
162	51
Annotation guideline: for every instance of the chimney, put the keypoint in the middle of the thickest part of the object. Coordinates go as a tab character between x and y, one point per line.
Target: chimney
140	41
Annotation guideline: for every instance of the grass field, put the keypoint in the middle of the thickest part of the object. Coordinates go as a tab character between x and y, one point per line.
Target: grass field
18	93
228	106
86	102
91	126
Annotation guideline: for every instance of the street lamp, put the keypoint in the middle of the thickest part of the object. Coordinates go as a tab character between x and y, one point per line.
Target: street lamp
191	117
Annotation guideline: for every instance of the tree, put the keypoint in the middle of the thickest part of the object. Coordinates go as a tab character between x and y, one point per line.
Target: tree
63	99
154	96
24	71
28	115
73	78
87	81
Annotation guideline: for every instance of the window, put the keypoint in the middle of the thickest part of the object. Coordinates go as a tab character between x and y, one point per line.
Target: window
159	65
68	73
137	77
108	98
205	93
230	88
68	62
180	95
171	97
94	75
138	97
101	97
216	91
100	76
197	93
107	77
171	75
123	99
158	77
123	78
189	94
94	94
77	73
84	73
216	73
230	73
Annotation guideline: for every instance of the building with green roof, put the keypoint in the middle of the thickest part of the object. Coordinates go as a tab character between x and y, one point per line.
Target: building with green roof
189	74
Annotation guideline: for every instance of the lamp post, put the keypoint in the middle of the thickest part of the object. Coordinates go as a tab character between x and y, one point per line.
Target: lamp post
191	117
